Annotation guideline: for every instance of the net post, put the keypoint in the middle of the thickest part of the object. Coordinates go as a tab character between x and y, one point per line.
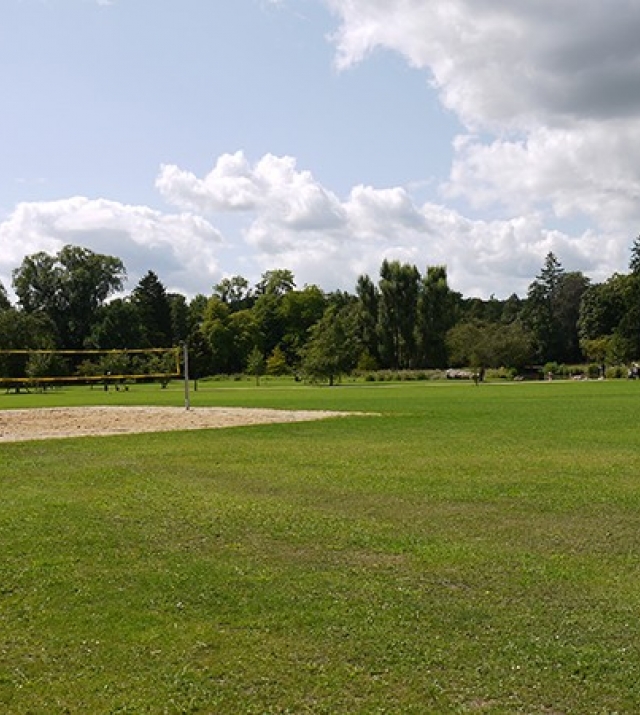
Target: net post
185	358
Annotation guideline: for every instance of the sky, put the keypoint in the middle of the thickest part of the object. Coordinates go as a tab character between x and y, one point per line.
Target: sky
203	139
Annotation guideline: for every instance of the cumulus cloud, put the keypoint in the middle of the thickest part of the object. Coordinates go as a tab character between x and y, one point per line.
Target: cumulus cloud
272	186
549	93
290	220
295	222
181	248
507	64
588	170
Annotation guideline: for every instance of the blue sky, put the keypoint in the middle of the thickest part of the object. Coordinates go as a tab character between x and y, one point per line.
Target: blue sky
206	139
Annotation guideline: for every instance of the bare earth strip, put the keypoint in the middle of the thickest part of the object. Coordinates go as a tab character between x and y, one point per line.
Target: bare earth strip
57	422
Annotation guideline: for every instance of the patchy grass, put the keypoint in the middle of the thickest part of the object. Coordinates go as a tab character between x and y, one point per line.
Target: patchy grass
468	550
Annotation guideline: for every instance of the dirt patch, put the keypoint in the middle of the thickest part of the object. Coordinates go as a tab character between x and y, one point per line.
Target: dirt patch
58	422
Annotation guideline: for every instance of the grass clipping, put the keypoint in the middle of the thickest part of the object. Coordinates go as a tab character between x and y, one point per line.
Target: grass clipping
59	422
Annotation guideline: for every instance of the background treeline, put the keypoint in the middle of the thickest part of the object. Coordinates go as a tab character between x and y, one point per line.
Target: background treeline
400	320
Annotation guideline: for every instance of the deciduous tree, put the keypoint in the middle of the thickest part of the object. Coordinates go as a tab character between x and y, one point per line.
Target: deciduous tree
333	347
5	303
437	313
68	287
398	307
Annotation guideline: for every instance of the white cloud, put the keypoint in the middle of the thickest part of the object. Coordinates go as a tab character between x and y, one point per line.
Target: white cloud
549	92
549	95
295	222
273	186
181	248
292	221
507	64
592	170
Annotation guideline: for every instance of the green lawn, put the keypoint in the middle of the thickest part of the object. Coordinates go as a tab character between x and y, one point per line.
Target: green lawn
465	550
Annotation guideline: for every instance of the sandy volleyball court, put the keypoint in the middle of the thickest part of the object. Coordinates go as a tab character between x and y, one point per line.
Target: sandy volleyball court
58	422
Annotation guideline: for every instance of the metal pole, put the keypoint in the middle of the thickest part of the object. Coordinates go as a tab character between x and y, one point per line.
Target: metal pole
185	357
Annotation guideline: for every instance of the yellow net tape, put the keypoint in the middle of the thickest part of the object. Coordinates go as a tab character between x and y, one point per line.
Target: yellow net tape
103	375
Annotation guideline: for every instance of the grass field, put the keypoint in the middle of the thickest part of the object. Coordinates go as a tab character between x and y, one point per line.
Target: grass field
465	550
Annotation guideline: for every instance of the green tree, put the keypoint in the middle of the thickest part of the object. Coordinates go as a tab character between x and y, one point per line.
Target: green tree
197	307
41	365
541	311
436	315
512	309
23	331
256	364
333	347
603	307
367	316
277	362
300	310
235	292
154	310
200	357
484	345
270	320
571	290
245	336
398	305
276	282
179	309
117	327
218	335
68	287
634	261
597	350
5	303
629	326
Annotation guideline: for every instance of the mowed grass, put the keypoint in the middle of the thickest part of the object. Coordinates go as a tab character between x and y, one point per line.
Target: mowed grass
465	550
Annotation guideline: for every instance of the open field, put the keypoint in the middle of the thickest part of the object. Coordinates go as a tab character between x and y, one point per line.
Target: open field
466	550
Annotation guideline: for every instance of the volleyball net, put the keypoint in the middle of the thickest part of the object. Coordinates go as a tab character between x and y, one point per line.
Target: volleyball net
49	367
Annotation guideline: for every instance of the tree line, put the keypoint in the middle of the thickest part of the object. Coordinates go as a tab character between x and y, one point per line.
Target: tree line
404	319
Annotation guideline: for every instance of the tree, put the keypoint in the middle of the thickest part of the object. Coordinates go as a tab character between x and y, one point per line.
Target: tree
512	309
179	310
235	292
117	327
541	311
333	347
397	313
567	314
603	308
277	363
5	303
270	321
482	345
256	364
200	358
197	307
68	287
41	365
367	316
629	327
276	282
245	336
597	350
436	315
300	310
20	330
154	310
218	335
634	262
